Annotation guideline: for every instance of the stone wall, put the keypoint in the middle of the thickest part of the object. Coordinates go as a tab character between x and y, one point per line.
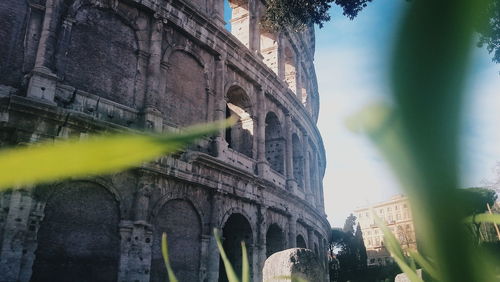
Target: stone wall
79	67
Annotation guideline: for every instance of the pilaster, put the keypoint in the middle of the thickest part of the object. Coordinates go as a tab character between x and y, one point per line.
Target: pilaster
153	118
292	231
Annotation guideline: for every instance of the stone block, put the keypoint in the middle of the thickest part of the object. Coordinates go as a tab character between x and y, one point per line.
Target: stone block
297	262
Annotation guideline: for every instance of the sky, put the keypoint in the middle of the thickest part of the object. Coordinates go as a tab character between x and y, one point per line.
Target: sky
351	60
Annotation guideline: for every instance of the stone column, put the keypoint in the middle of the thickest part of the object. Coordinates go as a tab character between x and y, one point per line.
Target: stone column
290	182
281	56
152	114
205	256
213	252
292	231
218	12
262	165
220	104
262	241
15	233
254	6
310	239
308	188
42	84
136	237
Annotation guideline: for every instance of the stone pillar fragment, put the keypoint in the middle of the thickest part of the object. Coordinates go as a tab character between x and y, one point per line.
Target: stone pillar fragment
135	251
300	263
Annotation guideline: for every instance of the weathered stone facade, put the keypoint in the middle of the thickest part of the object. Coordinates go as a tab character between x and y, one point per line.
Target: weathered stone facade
79	67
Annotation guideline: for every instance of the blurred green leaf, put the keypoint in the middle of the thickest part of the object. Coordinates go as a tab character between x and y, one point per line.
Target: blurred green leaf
292	278
45	162
164	251
231	275
483	218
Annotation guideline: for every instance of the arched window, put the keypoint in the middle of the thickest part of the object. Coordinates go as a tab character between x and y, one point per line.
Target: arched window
275	143
240	136
236	230
78	238
298	160
180	221
237	18
275	240
301	243
268	45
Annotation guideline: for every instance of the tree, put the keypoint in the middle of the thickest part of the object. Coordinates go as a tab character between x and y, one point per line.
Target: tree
299	14
351	253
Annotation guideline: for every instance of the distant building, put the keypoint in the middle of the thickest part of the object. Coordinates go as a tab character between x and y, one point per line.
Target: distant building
397	214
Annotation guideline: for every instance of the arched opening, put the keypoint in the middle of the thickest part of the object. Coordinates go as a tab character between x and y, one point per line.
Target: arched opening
298	160
185	100
237	18
240	136
78	238
290	68
236	230
275	143
268	44
275	240
180	221
301	243
108	66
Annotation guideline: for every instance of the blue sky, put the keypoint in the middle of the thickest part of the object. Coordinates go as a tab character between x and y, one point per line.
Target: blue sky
351	64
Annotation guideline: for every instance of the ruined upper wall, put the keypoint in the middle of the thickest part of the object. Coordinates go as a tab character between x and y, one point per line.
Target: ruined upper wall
162	65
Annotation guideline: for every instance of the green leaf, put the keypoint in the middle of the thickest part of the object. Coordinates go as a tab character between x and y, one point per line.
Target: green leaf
231	275
292	278
245	270
164	251
483	218
46	162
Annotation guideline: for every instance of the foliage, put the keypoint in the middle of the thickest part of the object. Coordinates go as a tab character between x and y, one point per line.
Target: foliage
352	252
475	199
50	161
299	14
418	135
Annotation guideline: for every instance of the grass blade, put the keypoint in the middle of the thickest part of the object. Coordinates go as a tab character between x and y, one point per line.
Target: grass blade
231	275
164	252
103	154
426	265
394	248
245	269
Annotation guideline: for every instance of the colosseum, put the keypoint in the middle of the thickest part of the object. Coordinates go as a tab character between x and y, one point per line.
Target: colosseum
79	67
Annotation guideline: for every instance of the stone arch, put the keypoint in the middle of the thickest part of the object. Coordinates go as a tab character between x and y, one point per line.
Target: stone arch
108	66
185	96
236	229
275	239
274	143
179	219
78	238
240	136
301	242
298	160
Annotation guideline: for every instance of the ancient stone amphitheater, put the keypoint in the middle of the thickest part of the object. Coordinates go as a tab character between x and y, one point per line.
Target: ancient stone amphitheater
78	67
